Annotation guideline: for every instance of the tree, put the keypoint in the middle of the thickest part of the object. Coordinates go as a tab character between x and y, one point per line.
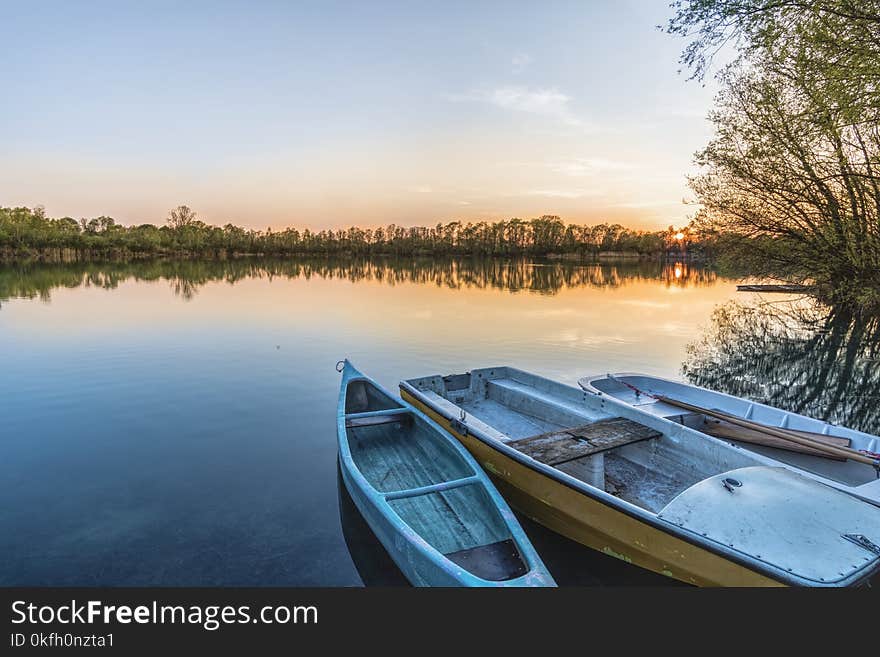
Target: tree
180	217
23	230
794	165
841	34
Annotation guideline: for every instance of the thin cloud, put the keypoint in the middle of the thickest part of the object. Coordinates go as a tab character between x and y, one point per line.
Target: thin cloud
563	193
587	166
635	205
550	103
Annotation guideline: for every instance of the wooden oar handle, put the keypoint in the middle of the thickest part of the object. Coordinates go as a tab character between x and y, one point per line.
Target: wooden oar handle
844	452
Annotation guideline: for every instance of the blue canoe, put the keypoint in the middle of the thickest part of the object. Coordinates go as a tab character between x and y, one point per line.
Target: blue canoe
423	495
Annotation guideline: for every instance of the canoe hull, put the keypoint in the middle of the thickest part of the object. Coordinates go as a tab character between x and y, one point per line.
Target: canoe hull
413	563
595	524
428	470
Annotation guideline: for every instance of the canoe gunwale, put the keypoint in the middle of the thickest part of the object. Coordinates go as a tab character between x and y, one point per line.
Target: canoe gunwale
622	506
536	573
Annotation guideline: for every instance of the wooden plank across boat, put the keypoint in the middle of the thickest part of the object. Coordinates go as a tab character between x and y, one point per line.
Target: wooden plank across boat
651	492
564	445
428	502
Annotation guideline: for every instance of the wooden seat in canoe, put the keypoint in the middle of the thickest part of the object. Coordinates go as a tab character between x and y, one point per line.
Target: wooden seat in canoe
372	418
564	445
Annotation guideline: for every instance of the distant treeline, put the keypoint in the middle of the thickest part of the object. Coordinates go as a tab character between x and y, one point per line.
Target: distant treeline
28	232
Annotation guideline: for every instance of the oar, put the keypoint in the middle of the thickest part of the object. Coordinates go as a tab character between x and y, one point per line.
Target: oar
844	452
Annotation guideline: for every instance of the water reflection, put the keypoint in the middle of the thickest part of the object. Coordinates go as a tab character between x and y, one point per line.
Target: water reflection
372	562
797	355
186	277
213	411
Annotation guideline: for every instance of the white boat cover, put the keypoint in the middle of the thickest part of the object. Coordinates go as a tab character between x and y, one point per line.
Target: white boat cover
783	519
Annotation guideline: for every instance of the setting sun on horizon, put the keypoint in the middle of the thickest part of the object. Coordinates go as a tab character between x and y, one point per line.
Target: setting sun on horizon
326	115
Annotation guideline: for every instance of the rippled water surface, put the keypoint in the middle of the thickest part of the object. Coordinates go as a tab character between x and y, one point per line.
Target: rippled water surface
173	422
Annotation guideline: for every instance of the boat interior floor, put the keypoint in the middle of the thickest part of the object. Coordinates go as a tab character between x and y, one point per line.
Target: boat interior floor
398	456
621	456
495	562
643	486
463	524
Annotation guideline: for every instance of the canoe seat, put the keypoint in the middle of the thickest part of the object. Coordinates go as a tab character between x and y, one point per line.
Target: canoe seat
371	419
564	445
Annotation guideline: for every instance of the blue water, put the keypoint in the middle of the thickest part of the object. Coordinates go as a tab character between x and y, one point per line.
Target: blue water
168	428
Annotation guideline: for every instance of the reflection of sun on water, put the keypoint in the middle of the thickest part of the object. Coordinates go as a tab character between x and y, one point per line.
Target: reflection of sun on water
678	271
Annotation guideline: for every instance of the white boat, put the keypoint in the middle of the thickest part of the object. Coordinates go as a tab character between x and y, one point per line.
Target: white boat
640	392
653	493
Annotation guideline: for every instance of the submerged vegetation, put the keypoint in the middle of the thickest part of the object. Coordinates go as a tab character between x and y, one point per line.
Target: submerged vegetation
792	175
30	233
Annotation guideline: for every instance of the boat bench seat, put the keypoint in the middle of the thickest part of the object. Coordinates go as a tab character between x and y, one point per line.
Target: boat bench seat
559	410
372	418
564	445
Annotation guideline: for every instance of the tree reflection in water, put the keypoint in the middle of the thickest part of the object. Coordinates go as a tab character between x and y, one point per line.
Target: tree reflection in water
797	355
37	280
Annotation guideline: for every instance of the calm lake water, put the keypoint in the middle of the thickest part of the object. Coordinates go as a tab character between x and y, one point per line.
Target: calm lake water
173	423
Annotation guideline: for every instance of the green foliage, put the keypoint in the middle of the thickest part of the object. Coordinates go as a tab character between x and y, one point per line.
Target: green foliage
29	232
794	166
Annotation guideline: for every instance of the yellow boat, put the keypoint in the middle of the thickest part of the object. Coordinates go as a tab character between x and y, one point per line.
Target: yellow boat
633	486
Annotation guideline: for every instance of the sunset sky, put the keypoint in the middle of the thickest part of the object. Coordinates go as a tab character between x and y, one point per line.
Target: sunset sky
328	114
